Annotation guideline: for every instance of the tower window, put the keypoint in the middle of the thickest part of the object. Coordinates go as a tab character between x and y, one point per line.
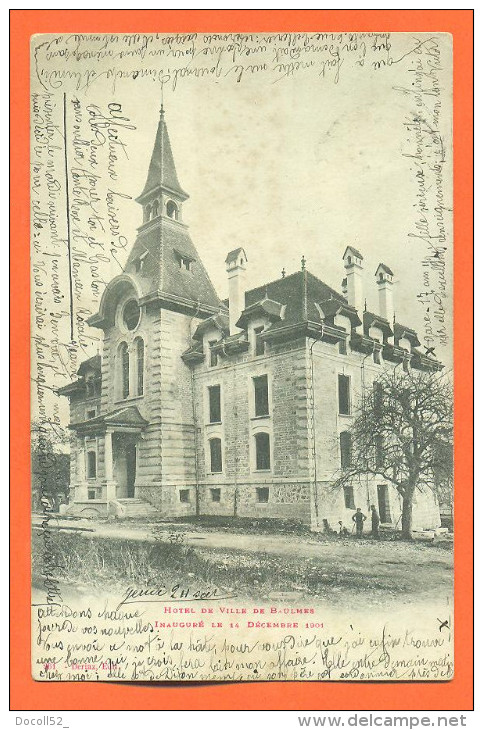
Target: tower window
155	209
216	464
343	346
344	395
172	210
124	363
140	365
260	385
262	449
91	464
214	395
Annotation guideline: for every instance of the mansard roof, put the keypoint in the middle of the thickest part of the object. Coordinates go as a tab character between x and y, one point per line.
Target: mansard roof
299	292
162	170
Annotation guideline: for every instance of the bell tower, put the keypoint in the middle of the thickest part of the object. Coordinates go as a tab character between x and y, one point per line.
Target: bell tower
162	195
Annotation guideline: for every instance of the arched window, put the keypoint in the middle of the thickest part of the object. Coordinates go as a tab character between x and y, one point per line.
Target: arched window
172	210
124	369
139	344
262	451
147	213
91	464
216	462
345	440
155	211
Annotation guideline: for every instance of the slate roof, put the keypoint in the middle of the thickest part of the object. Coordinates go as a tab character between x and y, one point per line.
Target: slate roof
299	292
162	170
370	319
401	330
385	268
93	363
165	241
270	308
233	255
354	251
220	321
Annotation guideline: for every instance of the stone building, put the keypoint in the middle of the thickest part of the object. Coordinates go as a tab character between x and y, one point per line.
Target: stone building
201	407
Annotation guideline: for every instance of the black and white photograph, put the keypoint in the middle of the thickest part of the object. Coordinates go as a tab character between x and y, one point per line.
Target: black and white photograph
242	357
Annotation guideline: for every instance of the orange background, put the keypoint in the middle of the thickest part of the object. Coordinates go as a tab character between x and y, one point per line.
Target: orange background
307	696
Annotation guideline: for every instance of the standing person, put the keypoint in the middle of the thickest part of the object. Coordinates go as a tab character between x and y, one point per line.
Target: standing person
375	522
359	518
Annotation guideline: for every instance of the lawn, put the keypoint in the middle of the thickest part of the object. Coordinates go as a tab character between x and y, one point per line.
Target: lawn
346	570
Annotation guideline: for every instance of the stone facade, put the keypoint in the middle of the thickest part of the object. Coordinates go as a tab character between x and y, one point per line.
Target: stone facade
199	407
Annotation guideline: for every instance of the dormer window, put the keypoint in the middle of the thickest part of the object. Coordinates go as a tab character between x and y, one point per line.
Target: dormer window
172	210
259	343
139	262
185	262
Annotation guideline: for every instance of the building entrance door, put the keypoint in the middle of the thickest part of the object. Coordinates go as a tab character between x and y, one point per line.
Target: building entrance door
130	468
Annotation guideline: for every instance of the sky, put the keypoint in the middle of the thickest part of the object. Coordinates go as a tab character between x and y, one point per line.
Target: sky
286	163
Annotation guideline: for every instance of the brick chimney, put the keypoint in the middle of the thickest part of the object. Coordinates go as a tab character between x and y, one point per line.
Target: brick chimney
236	268
353	266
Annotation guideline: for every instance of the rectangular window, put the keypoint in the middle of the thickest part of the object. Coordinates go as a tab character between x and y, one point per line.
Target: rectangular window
345	440
260	385
343	346
379	449
214	396
344	395
213	354
262	450
91	464
91	414
215	456
259	343
349	497
215	495
377	357
378	396
262	494
184	495
93	494
383	503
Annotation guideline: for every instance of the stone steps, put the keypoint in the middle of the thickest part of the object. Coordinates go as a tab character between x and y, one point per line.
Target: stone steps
126	508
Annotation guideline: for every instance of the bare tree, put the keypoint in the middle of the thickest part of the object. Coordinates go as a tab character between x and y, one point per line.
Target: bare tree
403	432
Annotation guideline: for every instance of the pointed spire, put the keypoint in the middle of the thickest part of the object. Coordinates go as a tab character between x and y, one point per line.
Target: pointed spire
162	171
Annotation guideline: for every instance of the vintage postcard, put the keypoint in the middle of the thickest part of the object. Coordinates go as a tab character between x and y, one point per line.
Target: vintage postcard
241	339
